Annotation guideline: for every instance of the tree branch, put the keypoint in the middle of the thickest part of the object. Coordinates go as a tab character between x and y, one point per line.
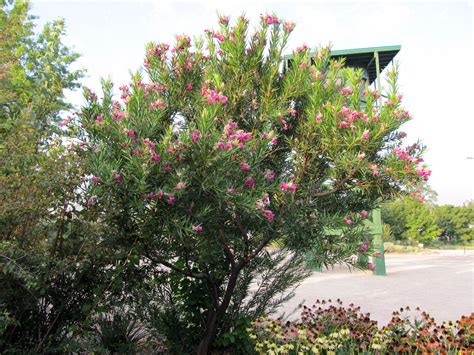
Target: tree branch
337	188
189	273
227	251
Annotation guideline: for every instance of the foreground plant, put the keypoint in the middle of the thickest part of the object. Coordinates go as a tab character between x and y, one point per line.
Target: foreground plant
218	153
331	327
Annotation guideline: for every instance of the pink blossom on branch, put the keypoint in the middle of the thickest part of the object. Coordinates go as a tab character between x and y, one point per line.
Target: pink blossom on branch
96	180
197	229
290	186
244	166
180	186
348	220
364	214
250	182
269	214
365	135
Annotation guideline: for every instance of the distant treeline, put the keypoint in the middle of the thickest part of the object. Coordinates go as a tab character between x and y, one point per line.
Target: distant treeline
408	220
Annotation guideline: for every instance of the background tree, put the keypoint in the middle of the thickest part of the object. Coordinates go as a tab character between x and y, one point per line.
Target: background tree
427	223
48	272
219	152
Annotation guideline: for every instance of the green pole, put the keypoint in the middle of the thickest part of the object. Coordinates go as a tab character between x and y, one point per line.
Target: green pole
377	67
377	231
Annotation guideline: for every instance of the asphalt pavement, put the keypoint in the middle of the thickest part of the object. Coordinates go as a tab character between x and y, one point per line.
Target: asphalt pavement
440	283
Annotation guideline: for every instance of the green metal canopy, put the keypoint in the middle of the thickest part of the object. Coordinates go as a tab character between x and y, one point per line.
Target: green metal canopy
365	58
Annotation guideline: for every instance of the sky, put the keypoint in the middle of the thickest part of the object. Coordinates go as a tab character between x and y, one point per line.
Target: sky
436	39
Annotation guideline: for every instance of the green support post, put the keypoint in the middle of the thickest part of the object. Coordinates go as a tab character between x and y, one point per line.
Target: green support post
377	230
379	86
311	263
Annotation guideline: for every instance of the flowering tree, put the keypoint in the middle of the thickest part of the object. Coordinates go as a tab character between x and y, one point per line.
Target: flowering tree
219	152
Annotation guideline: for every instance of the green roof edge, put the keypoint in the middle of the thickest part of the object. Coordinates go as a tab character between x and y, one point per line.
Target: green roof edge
358	50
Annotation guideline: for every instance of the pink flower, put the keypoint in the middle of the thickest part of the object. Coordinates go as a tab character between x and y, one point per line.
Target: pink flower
195	135
343	124
374	169
270	176
117	178
63	122
293	112
361	156
99	119
244	136
319	117
131	134
291	186
244	166
180	186
230	190
272	20
364	214
370	266
151	195
136	152
365	135
304	47
197	229
222	98
250	182
160	195
319	75
346	91
288	26
363	247
171	200
425	173
155	157
269	214
378	254
96	180
157	104
189	86
348	220
91	201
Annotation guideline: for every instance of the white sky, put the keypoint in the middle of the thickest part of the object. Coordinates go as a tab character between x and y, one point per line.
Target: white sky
436	78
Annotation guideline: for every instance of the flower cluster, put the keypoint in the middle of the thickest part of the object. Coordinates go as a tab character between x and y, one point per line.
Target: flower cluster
212	96
261	205
332	328
233	136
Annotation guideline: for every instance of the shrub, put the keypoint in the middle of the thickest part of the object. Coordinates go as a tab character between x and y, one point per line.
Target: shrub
217	152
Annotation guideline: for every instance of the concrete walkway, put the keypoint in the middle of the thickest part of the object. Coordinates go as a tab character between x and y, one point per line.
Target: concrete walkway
440	283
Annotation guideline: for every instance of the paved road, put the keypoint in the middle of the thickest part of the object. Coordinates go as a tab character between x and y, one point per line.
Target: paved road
440	283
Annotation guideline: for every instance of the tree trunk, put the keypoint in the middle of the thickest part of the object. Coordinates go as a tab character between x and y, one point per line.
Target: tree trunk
209	336
216	315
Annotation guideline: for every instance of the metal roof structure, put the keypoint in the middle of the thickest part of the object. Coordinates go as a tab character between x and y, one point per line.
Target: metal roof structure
366	58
